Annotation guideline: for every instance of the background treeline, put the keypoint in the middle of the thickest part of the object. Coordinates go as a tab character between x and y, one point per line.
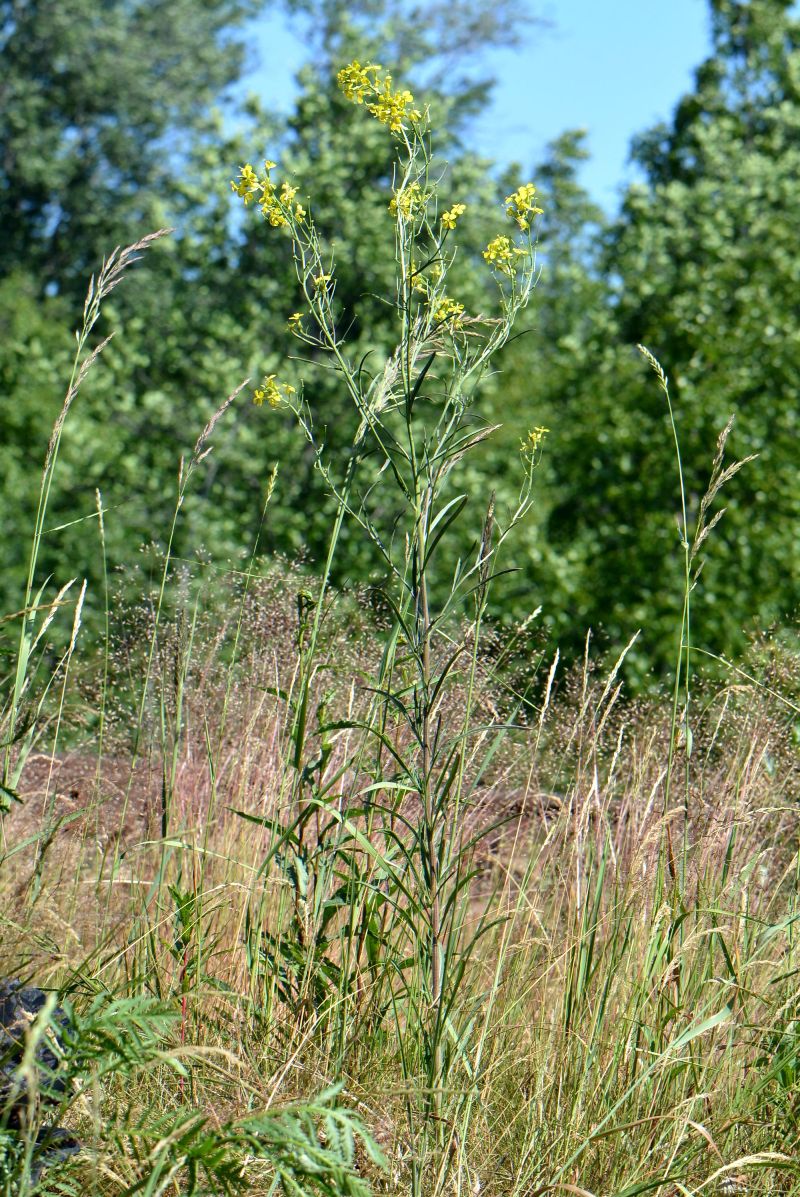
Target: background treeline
121	118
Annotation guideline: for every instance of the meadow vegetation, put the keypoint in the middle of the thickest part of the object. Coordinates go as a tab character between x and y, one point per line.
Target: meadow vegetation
699	264
341	877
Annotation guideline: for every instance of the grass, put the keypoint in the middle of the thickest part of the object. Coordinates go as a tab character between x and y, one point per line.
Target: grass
336	903
608	1032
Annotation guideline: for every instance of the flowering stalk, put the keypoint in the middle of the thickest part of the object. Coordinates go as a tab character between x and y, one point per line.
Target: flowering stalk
414	418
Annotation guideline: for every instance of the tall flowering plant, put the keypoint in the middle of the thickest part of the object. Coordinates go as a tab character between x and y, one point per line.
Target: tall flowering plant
415	420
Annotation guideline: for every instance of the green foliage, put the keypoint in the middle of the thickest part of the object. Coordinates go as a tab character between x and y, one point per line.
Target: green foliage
710	247
105	1047
213	309
92	101
566	1021
701	266
35	356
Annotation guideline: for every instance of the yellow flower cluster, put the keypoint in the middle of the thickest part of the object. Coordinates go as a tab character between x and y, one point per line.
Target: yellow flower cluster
521	206
390	107
450	217
408	201
274	392
248	185
294	323
447	310
357	82
276	206
534	439
500	254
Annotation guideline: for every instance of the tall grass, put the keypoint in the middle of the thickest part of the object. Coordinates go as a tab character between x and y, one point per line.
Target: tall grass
331	903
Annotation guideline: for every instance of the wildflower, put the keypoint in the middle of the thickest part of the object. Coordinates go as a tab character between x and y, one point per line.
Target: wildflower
447	310
271	210
392	108
274	205
274	392
521	206
294	322
534	439
408	201
499	253
247	186
357	81
450	217
321	282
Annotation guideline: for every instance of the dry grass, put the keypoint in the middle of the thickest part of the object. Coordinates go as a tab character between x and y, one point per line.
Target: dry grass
603	958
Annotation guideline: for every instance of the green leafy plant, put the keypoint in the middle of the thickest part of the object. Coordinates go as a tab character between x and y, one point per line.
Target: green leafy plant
103	1051
363	870
19	735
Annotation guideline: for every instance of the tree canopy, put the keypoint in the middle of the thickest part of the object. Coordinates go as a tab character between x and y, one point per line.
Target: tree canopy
702	267
117	121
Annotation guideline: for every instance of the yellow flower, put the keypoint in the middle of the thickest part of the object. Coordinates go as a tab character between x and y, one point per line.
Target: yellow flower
357	81
448	310
321	281
274	205
294	322
247	185
274	392
499	253
408	201
534	439
392	108
271	210
521	205
450	217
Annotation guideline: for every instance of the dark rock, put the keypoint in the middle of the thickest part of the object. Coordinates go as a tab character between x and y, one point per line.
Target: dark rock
53	1145
19	1006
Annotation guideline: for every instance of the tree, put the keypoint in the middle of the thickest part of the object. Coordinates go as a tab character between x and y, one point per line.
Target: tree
210	305
702	266
100	104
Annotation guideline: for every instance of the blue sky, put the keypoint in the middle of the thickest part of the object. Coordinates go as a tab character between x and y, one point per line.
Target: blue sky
613	67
